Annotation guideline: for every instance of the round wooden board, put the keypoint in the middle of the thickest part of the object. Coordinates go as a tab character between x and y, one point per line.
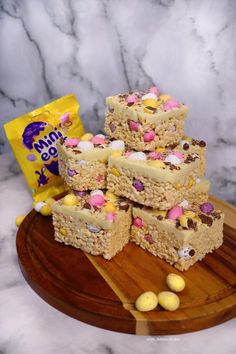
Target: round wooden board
102	293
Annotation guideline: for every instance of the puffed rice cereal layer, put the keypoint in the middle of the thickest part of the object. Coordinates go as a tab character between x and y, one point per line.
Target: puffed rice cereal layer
177	245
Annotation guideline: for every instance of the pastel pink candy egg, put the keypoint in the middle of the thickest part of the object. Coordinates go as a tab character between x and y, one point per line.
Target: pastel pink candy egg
171	104
97	140
110	216
65	118
149	136
134	125
155	155
96	200
178	154
138	222
132	99
127	153
175	213
71	142
154	90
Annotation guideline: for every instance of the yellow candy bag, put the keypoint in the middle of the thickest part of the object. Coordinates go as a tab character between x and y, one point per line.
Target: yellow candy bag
33	138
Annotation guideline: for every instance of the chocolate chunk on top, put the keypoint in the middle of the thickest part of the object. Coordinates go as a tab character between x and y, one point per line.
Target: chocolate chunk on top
206	219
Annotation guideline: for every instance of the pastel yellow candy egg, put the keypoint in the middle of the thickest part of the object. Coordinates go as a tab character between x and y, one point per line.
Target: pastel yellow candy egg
50	201
164	98
148	109
168	300
190	182
146	301
175	282
62	231
19	220
160	149
70	200
110	196
190	214
109	207
86	137
156	163
46	210
116	153
115	172
150	102
160	212
183	220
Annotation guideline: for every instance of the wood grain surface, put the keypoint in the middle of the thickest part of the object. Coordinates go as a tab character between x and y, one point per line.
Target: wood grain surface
102	293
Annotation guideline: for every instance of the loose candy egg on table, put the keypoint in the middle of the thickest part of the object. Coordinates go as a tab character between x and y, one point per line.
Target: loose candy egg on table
168	300
147	301
175	282
19	220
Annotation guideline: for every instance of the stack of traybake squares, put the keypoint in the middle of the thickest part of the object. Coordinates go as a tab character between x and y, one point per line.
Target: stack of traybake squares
142	182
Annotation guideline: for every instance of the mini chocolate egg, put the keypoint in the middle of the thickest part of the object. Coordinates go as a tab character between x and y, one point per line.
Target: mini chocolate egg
94	229
148	96
115	172
81	162
186	253
173	159
19	220
97	192
117	145
147	301
50	201
184	204
190	214
110	196
150	102
38	206
70	200
86	137
85	145
109	207
164	98
183	220
156	163
62	231
46	210
137	156
116	153
175	282
168	300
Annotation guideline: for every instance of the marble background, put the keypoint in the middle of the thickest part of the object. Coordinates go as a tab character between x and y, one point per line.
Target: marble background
96	48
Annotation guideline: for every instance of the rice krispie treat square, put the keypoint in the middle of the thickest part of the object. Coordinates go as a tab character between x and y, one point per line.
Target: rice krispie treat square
97	222
179	236
83	163
145	120
156	179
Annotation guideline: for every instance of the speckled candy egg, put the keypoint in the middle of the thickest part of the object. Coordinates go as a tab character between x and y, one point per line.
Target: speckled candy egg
168	300
147	301
175	282
186	252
